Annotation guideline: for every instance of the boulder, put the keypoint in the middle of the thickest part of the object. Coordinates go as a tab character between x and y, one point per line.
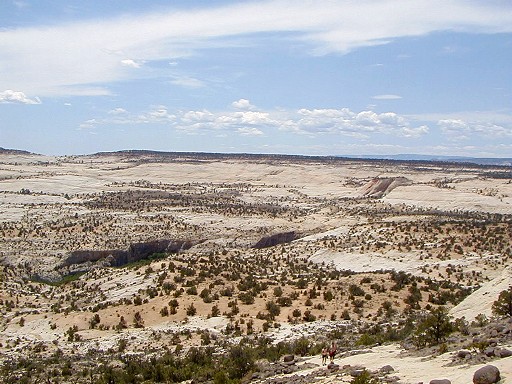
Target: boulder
502	352
386	369
488	374
440	381
463	353
333	367
288	358
357	372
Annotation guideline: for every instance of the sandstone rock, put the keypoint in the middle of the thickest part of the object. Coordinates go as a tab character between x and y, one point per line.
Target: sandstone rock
488	374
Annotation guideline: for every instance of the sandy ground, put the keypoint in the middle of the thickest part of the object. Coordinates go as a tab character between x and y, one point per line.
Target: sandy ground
413	370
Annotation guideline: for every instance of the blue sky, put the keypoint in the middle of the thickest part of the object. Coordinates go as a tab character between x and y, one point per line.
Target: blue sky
368	77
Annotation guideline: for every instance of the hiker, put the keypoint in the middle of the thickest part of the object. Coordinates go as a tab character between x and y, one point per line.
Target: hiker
325	353
332	352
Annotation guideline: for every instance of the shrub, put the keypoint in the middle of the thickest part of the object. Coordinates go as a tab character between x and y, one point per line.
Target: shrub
365	378
284	301
435	328
192	290
246	298
356	290
164	311
273	309
328	295
191	310
95	320
138	322
215	311
308	316
503	306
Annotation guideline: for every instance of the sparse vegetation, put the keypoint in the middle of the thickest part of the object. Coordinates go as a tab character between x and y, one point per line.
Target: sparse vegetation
142	257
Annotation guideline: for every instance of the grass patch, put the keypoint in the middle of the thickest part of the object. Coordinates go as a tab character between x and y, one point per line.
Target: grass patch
65	279
145	261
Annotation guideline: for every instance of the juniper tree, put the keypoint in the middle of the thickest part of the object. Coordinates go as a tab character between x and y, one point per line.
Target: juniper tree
503	306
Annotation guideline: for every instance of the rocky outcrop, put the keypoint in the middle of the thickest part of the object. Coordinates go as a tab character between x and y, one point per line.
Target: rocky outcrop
380	187
278	238
135	252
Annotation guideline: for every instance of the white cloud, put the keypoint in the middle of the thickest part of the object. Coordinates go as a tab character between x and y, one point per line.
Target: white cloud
16	97
357	125
20	4
458	129
131	63
117	111
249	131
119	116
335	26
242	104
188	82
310	122
386	97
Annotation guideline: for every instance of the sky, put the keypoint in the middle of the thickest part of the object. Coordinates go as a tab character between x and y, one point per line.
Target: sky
323	77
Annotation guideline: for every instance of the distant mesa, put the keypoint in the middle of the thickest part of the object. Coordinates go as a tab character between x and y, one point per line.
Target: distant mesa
380	187
6	151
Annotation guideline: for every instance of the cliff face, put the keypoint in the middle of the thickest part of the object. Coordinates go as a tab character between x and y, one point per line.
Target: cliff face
278	238
135	252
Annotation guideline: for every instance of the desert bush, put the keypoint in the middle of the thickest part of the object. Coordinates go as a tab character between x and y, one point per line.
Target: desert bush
365	378
138	322
435	328
164	311
328	295
503	306
94	321
191	310
273	309
355	290
284	301
308	316
246	298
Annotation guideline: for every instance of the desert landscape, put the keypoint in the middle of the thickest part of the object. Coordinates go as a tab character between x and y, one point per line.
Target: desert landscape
142	267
